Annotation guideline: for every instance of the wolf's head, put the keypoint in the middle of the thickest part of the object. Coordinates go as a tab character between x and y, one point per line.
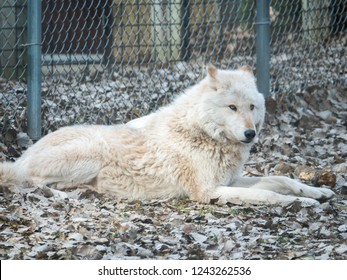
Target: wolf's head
231	107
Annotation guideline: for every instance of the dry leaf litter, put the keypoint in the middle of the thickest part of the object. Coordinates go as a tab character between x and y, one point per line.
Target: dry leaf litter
304	138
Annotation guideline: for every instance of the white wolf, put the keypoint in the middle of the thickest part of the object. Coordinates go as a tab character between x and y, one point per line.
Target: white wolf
194	147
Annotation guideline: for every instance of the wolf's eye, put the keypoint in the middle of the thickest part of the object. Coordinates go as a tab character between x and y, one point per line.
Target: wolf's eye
233	107
251	107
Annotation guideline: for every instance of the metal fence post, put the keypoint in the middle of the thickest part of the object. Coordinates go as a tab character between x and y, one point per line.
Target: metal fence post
185	30
262	42
34	69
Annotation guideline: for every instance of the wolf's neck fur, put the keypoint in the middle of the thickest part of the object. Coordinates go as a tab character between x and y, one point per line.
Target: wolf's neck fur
186	117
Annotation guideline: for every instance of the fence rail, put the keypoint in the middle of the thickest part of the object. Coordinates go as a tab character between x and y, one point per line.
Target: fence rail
108	61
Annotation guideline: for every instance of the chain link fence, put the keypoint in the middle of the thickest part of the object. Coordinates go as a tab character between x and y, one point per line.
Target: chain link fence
106	61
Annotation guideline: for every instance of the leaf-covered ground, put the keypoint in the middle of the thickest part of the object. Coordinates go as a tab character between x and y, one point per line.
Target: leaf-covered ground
304	137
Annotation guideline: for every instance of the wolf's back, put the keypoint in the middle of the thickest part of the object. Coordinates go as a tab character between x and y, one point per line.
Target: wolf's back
8	174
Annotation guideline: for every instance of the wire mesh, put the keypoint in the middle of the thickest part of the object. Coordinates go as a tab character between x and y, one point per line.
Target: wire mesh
308	46
12	67
107	62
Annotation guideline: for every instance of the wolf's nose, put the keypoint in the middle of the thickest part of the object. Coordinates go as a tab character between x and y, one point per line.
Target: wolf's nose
250	134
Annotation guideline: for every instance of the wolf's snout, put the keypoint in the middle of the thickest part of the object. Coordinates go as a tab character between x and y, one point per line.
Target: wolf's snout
250	134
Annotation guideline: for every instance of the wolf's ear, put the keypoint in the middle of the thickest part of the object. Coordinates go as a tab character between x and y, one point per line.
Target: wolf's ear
246	68
212	73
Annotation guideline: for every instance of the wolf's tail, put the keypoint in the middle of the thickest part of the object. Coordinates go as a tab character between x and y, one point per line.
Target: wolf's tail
8	174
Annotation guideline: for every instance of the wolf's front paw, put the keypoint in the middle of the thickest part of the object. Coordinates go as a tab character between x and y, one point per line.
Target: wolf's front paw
324	194
320	194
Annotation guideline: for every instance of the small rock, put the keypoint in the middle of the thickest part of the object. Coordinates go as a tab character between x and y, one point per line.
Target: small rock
305	173
326	178
47	192
317	177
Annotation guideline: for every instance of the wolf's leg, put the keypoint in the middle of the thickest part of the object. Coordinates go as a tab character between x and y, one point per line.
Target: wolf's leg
62	164
8	174
284	185
239	195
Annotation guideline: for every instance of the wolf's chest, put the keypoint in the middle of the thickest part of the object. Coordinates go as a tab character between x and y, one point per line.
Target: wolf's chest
227	179
228	176
229	167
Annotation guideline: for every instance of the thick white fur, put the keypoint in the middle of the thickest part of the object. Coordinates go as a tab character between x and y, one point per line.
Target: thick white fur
194	147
